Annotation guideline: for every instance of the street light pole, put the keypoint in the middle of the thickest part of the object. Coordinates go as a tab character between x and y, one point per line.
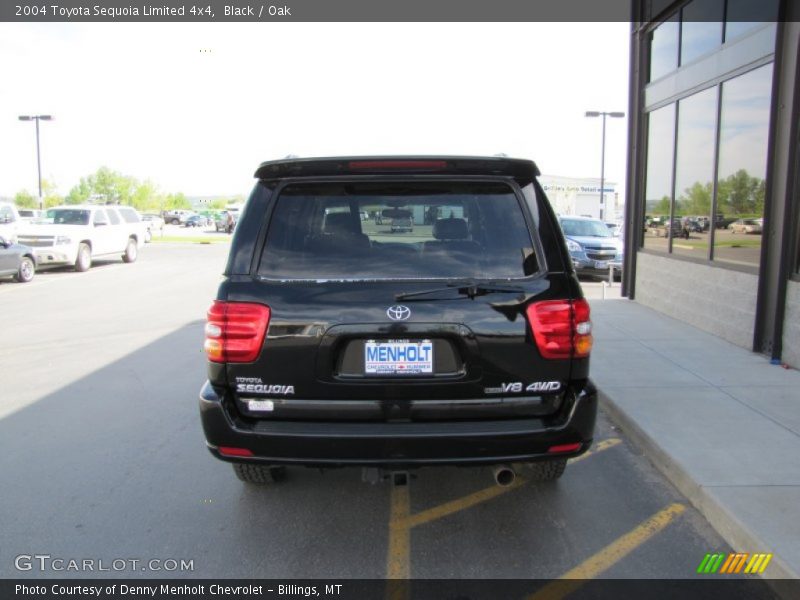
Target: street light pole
616	115
38	118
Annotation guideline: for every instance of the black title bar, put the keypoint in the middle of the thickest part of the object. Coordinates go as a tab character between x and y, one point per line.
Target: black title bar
313	10
698	588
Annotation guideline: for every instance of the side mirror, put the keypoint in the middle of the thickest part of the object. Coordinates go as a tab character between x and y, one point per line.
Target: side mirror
4	242
6	219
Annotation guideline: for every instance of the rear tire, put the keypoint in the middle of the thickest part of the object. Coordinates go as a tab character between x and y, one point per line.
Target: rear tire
131	251
259	474
84	260
26	271
548	470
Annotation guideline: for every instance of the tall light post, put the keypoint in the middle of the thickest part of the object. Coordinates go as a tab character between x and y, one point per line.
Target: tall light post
614	115
38	118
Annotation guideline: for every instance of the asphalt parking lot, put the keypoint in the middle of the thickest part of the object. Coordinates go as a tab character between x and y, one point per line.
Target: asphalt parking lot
103	458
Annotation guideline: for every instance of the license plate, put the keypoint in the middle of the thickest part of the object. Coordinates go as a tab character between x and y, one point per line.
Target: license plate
398	357
601	264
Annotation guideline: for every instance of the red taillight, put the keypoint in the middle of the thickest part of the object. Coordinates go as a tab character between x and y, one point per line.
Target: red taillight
563	448
229	451
398	164
561	328
235	331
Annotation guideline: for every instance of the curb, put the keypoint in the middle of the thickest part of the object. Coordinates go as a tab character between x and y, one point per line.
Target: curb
727	524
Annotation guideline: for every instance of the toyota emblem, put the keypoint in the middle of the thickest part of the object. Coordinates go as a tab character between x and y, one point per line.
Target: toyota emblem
398	313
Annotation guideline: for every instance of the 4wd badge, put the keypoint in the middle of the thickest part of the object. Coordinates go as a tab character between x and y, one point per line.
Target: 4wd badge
517	387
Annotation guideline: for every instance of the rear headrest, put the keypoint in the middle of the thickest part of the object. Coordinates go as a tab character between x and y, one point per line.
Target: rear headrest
339	223
450	229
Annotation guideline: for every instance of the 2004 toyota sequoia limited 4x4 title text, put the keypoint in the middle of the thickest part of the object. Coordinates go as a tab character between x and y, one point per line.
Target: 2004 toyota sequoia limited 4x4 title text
336	340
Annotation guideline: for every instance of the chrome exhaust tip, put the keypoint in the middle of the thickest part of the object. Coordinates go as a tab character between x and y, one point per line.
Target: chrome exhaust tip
504	475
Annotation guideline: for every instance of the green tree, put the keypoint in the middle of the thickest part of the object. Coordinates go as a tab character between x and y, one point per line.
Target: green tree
50	194
80	193
696	200
106	186
662	206
739	193
50	197
24	199
176	202
145	196
760	192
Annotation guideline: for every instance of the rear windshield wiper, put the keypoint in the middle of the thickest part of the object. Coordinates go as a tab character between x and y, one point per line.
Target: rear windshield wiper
469	289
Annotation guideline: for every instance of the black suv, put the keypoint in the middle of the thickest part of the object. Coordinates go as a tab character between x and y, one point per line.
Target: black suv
333	342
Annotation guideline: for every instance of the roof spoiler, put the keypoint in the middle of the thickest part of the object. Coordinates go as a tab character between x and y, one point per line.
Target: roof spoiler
522	170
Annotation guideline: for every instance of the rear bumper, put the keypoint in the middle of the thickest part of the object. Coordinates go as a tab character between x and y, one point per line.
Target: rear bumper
398	444
595	267
55	255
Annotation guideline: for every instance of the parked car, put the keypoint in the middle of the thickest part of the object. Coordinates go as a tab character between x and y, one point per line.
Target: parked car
196	221
662	227
10	221
592	246
329	345
227	220
30	214
401	224
154	223
177	217
76	234
694	225
17	260
722	222
745	226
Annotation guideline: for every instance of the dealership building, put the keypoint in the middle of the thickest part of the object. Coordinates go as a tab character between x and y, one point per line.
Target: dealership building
581	197
713	139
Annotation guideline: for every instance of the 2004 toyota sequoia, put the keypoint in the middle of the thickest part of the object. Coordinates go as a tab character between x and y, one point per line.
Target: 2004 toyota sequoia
337	339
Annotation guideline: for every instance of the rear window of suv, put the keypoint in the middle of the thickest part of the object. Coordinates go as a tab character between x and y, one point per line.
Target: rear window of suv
398	230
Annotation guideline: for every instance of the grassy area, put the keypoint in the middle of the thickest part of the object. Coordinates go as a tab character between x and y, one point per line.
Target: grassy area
191	239
743	243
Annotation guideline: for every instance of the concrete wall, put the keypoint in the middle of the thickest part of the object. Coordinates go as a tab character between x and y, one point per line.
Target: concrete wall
791	326
720	301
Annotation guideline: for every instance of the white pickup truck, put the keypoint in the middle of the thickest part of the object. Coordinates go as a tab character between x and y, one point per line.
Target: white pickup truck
74	235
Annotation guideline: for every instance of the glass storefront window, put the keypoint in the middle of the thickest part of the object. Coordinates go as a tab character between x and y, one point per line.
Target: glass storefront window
658	192
701	28
694	173
664	48
744	131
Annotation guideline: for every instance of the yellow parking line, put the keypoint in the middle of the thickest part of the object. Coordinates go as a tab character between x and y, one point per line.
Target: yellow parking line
401	521
398	563
608	556
604	445
448	508
454	506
